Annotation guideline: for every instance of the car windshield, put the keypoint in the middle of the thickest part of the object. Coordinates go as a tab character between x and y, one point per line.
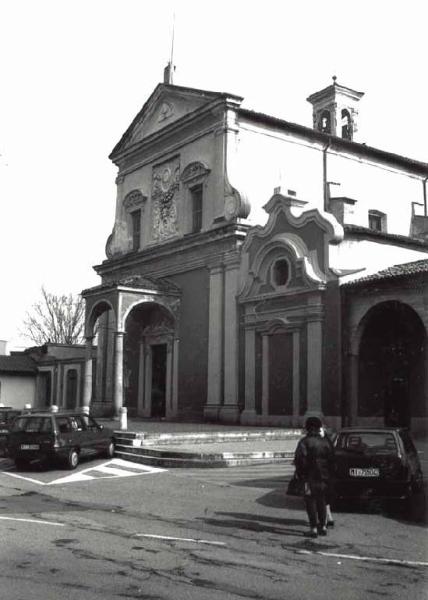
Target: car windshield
372	442
32	424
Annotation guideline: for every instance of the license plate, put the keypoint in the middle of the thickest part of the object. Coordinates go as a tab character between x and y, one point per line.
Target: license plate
372	472
30	446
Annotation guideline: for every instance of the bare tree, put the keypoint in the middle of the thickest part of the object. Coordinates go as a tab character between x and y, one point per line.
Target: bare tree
56	319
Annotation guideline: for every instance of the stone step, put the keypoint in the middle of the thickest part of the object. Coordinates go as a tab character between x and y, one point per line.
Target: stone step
175	458
205	461
156	439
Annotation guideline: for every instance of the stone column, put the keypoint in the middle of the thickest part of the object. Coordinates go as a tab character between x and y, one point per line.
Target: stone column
175	378
265	375
147	382
230	409
118	372
141	376
87	382
249	414
296	378
314	375
215	344
168	382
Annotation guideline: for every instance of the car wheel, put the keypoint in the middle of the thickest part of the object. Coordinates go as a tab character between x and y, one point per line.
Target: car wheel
110	450
72	459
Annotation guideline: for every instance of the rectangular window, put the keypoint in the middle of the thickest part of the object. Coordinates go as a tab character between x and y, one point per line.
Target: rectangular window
377	220
196	194
136	229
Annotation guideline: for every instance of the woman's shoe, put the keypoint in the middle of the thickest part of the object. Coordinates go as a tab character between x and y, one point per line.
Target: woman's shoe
313	532
322	530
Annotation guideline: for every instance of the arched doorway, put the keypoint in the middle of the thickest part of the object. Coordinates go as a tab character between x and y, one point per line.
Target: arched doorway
149	338
391	373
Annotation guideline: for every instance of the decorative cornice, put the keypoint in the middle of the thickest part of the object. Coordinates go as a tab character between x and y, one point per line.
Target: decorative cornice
134	199
194	170
230	232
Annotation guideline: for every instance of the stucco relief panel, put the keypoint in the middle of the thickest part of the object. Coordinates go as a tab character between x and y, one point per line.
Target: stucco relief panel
165	187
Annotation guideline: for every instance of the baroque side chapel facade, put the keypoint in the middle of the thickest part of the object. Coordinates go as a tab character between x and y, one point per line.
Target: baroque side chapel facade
227	296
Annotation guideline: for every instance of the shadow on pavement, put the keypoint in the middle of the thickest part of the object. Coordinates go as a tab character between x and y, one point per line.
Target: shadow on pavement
414	512
258	523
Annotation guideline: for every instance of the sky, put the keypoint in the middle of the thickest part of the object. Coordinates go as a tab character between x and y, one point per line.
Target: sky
75	73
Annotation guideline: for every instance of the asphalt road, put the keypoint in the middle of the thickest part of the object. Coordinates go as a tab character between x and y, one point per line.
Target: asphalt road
114	530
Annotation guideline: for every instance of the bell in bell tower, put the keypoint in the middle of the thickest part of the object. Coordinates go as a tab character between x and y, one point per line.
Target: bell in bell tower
335	110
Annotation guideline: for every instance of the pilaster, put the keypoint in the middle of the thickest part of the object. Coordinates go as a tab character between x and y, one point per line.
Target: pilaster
230	409
314	381
249	414
87	382
215	344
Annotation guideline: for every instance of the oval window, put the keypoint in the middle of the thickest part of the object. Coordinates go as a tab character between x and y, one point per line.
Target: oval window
280	272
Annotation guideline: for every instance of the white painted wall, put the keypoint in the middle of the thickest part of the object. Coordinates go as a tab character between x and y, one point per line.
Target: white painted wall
263	159
369	255
17	390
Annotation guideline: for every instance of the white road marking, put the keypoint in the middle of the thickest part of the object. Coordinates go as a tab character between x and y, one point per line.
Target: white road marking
22	477
73	478
115	472
386	561
38	521
177	539
114	468
134	465
109	470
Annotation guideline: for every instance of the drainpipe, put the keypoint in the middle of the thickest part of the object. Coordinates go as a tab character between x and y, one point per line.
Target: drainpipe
324	164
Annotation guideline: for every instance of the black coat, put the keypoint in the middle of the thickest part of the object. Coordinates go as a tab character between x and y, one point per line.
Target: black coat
314	458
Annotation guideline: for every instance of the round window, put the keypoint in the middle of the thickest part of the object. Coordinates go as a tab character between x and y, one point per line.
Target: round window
281	272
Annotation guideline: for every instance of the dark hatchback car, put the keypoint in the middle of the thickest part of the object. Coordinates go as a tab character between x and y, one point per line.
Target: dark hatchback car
7	414
376	463
50	437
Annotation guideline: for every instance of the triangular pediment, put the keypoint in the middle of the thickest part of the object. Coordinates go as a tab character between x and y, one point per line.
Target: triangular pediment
167	104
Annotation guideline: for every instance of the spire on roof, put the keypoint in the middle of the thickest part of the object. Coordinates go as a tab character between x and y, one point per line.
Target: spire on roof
168	73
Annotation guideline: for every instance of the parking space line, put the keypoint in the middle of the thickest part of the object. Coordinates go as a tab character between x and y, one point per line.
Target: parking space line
385	561
110	470
134	465
22	477
38	521
169	538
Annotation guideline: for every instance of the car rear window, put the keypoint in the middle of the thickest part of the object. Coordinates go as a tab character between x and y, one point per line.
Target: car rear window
32	424
367	442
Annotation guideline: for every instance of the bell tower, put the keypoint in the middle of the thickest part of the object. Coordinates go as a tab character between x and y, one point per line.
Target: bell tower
335	110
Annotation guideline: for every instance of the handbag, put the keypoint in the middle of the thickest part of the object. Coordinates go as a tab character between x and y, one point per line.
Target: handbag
296	486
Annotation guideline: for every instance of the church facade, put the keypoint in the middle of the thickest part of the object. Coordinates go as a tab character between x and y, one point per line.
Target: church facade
260	271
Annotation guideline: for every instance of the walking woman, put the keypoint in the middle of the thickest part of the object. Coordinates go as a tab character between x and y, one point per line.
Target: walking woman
314	465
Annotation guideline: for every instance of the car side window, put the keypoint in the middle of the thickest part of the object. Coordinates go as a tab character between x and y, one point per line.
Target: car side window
64	424
79	423
92	425
407	442
89	423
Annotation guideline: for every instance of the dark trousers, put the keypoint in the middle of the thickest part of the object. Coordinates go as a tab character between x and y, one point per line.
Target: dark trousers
315	502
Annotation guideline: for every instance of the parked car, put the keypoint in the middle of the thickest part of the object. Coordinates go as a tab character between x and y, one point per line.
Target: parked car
59	436
376	463
7	414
